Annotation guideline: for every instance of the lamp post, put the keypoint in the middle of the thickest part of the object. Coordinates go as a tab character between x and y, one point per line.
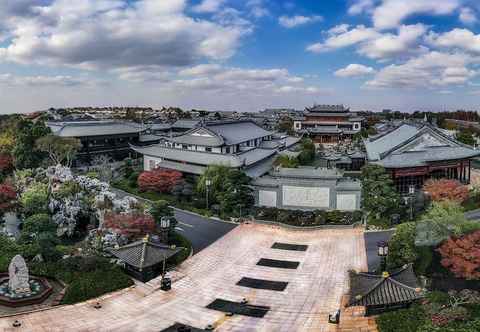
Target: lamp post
411	192
382	248
164	229
208	183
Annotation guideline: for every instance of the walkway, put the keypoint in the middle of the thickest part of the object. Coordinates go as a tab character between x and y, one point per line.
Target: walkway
314	288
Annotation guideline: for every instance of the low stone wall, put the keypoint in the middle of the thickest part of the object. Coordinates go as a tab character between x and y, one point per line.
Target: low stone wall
35	299
275	223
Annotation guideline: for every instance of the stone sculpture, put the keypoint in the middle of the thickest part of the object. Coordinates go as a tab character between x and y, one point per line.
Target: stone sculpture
18	282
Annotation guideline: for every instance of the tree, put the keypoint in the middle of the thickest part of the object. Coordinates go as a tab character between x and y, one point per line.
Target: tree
461	255
161	209
39	223
379	196
24	153
236	195
307	156
35	199
442	220
61	150
159	180
446	190
6	165
132	225
8	198
466	137
402	246
286	126
286	161
216	174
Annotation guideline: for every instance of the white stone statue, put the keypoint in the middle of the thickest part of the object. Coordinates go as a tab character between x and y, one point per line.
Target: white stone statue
18	282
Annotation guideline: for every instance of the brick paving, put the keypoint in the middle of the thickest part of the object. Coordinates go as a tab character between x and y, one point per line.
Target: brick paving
314	289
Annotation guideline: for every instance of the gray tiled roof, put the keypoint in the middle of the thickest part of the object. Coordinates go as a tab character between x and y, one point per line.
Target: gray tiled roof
372	289
94	128
325	130
238	131
307	173
389	141
142	254
186	124
205	158
422	158
261	168
213	141
181	167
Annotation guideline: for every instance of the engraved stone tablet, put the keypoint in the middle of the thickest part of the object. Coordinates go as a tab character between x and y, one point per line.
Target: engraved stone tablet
18	276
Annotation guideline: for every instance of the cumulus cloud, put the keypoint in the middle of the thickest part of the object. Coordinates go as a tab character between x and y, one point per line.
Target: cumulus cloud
372	43
257	8
297	20
467	16
391	13
56	81
354	70
361	6
457	38
430	69
115	33
208	6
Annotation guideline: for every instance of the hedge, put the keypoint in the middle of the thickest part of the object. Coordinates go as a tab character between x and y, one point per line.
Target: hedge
308	218
404	320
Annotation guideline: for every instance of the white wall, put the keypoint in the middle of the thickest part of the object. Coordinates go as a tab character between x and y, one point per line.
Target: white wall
148	162
310	197
267	198
346	202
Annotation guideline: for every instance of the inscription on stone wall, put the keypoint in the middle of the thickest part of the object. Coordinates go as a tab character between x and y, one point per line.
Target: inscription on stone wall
267	198
346	202
310	197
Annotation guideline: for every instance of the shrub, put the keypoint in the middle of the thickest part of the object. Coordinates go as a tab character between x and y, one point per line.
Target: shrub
8	197
462	255
131	225
159	180
446	190
404	320
39	223
35	199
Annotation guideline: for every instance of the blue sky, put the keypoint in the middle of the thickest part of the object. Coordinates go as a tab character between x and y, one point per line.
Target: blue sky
239	54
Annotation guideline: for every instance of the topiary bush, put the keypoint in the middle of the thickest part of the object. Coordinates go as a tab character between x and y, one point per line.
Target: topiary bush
404	320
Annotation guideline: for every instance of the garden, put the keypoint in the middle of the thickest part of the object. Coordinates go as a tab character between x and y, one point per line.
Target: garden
443	246
62	223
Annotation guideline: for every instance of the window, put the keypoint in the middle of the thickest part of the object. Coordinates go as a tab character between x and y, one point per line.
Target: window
184	146
228	150
208	149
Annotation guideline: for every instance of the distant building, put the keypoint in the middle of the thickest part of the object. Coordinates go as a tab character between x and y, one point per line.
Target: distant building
415	153
237	144
307	189
328	124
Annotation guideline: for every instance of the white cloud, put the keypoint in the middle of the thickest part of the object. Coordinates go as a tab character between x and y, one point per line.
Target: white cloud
111	34
457	38
467	16
297	20
371	43
361	6
56	81
208	6
391	13
339	29
354	70
430	69
257	8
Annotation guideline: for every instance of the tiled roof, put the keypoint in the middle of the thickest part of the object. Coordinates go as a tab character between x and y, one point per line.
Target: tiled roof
237	132
143	253
368	289
389	141
94	128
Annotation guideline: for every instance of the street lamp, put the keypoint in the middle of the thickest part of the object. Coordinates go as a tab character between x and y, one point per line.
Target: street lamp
382	248
411	192
164	229
208	183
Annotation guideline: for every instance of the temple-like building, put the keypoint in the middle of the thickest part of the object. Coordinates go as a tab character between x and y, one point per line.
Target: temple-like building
237	144
415	153
328	124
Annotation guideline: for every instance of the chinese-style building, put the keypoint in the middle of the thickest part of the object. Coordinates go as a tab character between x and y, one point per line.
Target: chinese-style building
416	153
328	124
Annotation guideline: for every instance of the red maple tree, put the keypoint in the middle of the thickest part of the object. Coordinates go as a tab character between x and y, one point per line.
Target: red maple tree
159	180
8	197
462	255
6	163
446	190
132	225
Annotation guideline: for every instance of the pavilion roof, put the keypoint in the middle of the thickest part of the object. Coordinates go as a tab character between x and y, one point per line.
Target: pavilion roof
401	286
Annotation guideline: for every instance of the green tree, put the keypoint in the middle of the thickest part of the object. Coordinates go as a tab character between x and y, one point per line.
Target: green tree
402	246
35	199
236	195
286	126
466	137
307	156
287	162
442	220
39	223
216	174
160	209
60	150
24	153
379	197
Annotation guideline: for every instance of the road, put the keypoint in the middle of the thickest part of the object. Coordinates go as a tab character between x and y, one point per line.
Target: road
201	231
371	240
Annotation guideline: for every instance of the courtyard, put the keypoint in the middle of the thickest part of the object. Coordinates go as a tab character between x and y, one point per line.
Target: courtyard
294	298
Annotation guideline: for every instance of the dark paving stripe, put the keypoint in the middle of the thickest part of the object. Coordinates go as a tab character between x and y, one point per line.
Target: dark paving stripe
288	246
263	284
177	327
239	308
277	263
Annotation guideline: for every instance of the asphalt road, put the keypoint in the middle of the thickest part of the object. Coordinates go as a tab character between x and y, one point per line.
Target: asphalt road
201	231
371	240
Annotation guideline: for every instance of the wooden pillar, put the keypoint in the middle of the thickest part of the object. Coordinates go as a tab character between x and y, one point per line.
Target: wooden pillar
469	171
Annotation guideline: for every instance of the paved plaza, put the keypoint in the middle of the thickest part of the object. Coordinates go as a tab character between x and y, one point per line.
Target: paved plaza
314	288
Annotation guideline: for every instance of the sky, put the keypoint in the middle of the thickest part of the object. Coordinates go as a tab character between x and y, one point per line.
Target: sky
243	55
